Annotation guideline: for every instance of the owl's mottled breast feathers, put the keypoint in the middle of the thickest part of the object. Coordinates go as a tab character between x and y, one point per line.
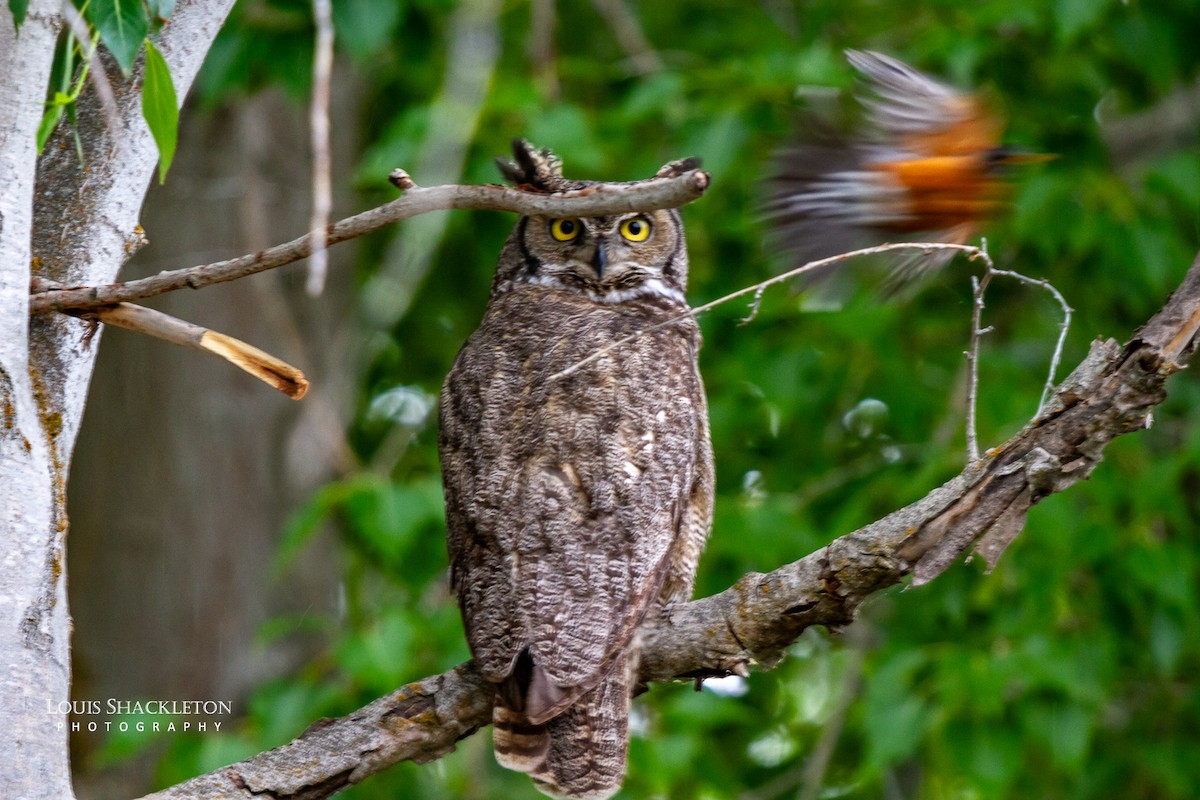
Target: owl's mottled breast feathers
571	492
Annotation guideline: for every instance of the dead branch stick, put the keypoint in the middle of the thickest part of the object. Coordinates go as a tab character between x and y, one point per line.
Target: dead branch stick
605	198
264	366
1110	393
1063	326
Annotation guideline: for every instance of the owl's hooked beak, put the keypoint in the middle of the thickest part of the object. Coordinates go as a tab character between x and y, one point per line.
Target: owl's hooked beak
600	259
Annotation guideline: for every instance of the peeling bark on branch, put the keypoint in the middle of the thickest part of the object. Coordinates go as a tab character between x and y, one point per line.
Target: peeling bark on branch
1110	393
419	722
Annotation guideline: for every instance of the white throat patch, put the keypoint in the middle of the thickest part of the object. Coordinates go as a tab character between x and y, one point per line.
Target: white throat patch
651	288
654	287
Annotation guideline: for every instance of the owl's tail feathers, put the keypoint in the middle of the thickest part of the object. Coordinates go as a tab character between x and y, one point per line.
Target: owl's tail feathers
519	744
588	742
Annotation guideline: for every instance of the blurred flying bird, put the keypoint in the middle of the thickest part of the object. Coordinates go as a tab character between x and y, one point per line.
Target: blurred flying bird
928	166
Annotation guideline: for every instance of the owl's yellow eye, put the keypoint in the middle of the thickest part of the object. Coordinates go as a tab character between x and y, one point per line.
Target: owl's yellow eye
564	230
636	229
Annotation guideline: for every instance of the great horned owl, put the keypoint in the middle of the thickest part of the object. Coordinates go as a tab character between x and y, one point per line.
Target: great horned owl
576	504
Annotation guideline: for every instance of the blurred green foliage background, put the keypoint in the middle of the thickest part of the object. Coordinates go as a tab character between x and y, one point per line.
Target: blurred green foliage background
1070	672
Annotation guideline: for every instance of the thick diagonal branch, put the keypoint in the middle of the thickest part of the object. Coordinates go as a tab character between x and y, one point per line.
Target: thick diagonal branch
1110	393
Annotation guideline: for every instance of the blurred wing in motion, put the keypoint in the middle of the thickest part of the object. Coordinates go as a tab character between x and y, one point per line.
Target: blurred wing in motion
927	166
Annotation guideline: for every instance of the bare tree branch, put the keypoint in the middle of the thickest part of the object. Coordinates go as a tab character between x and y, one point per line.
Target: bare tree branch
970	251
1110	393
419	722
759	288
603	198
274	372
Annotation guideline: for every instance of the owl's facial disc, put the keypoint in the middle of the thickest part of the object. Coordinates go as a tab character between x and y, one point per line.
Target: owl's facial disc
612	259
601	249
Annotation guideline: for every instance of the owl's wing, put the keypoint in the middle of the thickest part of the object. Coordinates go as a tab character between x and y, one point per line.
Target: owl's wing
605	505
560	534
477	468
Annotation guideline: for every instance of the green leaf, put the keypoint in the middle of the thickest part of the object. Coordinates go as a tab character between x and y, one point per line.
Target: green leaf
122	25
48	124
160	108
18	9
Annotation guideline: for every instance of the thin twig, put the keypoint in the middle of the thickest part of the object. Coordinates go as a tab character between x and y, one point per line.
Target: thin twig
978	287
606	198
755	307
1063	326
318	121
759	287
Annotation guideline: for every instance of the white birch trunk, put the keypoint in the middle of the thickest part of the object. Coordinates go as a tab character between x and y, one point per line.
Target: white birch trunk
34	625
81	226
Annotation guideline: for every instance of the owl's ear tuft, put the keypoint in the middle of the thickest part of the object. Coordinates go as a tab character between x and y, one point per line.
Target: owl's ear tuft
677	168
534	169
